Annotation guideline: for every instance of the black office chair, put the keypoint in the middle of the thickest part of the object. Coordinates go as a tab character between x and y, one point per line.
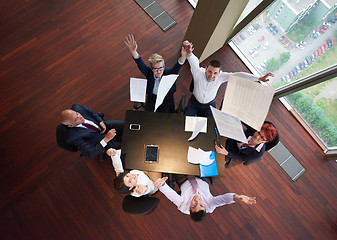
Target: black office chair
60	139
139	205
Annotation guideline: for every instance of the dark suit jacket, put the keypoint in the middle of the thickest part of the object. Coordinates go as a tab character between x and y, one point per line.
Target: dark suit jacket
245	154
86	140
168	103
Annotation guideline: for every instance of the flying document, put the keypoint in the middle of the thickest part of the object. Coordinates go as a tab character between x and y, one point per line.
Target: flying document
165	85
195	125
228	125
248	101
137	89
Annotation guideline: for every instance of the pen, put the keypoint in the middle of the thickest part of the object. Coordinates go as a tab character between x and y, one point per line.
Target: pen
216	132
174	128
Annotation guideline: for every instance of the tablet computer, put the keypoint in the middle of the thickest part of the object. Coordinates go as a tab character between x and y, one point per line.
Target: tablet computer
151	153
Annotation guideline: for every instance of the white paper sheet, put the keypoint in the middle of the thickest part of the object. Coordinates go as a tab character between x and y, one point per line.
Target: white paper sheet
249	101
138	89
165	85
228	126
191	121
201	124
198	156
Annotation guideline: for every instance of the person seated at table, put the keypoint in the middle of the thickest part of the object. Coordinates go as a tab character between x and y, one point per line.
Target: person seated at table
196	199
135	182
89	132
207	81
154	74
255	147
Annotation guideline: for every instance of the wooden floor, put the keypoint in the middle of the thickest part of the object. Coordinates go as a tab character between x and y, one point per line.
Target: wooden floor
59	52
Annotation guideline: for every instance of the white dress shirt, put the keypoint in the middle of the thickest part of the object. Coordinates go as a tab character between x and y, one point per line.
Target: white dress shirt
204	90
183	201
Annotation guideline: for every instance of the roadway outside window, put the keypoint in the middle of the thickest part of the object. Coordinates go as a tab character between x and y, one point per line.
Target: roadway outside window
294	39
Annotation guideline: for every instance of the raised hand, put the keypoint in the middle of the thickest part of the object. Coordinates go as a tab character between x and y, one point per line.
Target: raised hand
188	47
265	77
131	43
247	200
160	182
221	150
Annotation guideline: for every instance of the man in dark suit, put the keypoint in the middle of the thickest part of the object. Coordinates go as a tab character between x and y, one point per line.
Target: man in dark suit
89	132
154	75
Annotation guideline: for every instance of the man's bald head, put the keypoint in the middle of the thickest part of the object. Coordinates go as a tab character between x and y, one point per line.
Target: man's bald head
71	118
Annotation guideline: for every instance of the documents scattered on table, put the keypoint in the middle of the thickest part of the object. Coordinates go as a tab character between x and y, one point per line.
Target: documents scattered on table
195	125
228	125
137	89
247	100
199	156
165	85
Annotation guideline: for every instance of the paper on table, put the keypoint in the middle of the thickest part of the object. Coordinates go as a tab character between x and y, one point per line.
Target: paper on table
137	89
165	85
201	124
198	156
228	125
190	123
248	101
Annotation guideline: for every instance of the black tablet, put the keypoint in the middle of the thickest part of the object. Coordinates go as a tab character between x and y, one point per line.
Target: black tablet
151	153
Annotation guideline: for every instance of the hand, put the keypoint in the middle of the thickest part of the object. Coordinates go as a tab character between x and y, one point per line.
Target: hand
140	189
132	45
246	199
183	55
110	135
160	182
111	152
265	77
188	47
221	150
103	127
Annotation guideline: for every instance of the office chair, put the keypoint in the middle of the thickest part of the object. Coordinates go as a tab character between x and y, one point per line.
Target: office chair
139	205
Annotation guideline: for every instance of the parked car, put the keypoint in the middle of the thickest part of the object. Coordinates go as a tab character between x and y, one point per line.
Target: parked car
288	78
242	36
329	43
269	25
257	46
286	44
332	41
321	30
323	49
331	20
260	39
284	41
275	32
319	52
326	46
281	38
251	51
313	35
313	57
316	54
301	66
266	45
291	75
272	28
295	72
238	39
255	54
309	60
305	63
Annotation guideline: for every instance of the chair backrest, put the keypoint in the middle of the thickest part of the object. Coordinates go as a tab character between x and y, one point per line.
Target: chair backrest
191	86
60	139
139	205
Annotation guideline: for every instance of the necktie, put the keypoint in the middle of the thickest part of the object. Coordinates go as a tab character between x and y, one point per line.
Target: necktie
87	125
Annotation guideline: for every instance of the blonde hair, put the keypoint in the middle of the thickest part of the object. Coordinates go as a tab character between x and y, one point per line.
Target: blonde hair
156	58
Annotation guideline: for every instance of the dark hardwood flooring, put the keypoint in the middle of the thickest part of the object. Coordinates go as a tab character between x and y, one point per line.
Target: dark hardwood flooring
59	52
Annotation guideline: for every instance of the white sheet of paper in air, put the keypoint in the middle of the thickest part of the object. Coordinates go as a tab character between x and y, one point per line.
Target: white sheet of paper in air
165	85
228	126
199	156
249	101
191	121
137	89
201	124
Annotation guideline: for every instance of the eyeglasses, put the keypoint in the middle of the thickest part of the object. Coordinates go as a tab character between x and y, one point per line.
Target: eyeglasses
158	69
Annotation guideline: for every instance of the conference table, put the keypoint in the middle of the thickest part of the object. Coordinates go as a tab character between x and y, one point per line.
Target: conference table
167	131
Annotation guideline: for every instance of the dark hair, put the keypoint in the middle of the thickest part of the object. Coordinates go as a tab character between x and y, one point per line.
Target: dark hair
198	216
214	63
119	184
269	131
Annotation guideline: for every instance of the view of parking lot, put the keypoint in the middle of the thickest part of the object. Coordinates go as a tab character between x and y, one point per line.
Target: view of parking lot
307	46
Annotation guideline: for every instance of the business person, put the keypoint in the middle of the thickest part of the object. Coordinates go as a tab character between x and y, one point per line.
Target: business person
89	132
154	74
207	82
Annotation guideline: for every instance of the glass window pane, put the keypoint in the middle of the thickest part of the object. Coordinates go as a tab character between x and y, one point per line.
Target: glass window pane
294	39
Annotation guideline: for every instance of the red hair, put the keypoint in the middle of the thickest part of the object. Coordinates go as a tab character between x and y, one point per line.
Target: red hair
270	131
